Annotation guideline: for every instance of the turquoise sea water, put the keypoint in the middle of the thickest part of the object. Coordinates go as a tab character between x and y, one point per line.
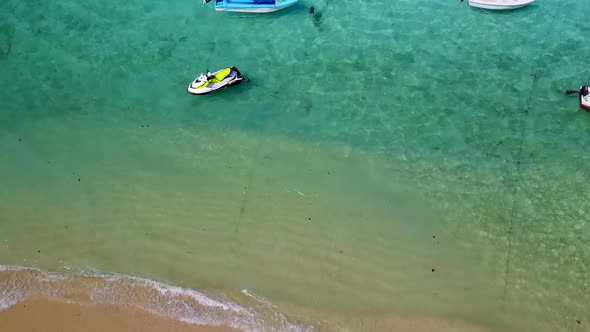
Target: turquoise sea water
401	159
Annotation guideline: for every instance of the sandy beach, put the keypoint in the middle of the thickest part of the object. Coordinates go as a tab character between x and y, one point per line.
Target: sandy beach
41	315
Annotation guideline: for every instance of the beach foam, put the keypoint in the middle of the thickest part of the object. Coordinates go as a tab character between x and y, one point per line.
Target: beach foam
187	305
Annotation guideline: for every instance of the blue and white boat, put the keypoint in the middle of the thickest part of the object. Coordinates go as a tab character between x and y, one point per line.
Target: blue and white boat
252	6
499	4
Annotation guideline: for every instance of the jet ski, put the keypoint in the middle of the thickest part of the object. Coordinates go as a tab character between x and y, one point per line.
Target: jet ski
210	82
584	93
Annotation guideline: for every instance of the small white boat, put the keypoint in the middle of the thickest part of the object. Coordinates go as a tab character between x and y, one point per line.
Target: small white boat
584	94
499	4
585	98
251	6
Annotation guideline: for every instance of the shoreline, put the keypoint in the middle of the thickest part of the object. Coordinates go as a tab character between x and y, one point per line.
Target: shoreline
43	315
36	300
50	315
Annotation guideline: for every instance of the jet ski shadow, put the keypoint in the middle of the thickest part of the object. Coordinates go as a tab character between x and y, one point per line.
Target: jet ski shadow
251	83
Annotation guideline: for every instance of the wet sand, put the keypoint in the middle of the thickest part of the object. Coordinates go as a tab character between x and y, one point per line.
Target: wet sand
42	315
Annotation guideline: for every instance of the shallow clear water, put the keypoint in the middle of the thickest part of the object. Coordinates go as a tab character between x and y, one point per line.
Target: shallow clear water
415	159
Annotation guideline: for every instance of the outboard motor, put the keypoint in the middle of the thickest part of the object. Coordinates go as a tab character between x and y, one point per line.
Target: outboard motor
584	91
571	92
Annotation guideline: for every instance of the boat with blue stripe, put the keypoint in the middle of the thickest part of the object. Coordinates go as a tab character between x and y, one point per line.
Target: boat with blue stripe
499	4
252	6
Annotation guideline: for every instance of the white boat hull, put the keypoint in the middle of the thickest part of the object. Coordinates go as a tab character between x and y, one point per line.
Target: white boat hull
585	100
499	4
253	9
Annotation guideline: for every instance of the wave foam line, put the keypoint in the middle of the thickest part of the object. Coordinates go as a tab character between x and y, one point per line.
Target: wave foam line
187	305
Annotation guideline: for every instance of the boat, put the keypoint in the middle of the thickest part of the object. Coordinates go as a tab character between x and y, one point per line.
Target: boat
251	6
499	4
584	94
207	83
585	97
